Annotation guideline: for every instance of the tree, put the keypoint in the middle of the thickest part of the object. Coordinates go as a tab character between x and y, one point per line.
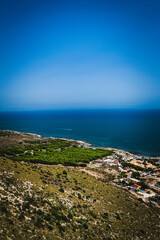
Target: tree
135	174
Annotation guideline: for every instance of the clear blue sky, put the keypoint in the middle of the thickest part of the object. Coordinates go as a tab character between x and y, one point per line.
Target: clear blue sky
79	54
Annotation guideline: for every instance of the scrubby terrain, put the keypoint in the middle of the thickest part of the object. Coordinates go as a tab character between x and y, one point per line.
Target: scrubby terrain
41	201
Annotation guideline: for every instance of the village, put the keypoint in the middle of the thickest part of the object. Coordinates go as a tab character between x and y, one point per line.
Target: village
140	175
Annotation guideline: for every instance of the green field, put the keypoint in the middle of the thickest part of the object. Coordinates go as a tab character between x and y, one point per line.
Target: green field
54	152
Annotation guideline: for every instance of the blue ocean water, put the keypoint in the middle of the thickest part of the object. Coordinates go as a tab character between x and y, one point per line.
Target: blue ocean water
137	131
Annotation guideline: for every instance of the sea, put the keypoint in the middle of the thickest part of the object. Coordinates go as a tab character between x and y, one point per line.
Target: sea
137	131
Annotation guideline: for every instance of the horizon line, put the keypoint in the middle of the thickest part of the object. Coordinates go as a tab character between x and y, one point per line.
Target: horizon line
75	109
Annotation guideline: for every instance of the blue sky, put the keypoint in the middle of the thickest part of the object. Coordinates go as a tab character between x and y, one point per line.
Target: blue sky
79	54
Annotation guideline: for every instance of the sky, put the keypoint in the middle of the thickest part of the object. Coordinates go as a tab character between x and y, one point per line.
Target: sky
79	54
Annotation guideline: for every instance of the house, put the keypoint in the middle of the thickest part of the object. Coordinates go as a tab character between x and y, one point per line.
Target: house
126	169
155	173
99	160
143	174
136	187
116	161
115	181
107	161
147	195
128	174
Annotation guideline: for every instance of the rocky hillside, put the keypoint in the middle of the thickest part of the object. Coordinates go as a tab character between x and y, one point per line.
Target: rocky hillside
40	201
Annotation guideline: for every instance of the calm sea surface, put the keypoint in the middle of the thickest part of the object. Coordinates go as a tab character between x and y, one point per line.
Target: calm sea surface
133	130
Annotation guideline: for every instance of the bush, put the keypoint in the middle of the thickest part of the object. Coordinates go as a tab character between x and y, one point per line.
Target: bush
123	174
105	215
82	165
70	215
61	190
39	222
143	185
126	164
79	196
85	226
64	172
117	216
3	208
135	174
50	227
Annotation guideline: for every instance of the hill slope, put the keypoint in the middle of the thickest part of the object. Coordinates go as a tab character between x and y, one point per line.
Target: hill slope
40	201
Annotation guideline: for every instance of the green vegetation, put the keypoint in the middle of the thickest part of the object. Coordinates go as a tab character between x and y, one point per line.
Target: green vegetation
39	201
34	141
54	152
126	164
123	174
5	133
59	202
143	185
136	175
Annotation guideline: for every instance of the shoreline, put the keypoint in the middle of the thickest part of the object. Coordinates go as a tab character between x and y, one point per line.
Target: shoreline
84	143
119	167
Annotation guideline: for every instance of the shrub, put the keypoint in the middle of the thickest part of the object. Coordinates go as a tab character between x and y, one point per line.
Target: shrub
64	172
50	227
85	226
117	216
105	215
61	190
83	165
79	196
70	215
135	174
3	208
143	185
39	222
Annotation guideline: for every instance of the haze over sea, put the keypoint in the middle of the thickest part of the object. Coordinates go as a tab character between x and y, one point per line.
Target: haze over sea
137	131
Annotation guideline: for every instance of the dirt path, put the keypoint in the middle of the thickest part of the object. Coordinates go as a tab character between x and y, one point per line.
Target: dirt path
93	173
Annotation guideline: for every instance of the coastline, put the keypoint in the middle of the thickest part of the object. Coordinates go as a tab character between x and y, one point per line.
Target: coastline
120	167
85	144
40	137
